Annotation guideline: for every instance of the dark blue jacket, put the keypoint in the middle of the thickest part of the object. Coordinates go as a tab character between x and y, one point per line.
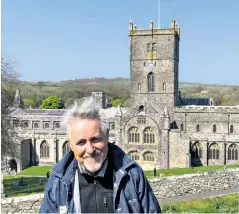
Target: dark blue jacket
131	191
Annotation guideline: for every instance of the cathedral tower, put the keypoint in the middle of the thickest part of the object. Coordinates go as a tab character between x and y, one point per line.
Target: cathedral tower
154	58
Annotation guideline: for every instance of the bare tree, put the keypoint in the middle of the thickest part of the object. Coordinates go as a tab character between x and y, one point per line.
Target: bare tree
9	80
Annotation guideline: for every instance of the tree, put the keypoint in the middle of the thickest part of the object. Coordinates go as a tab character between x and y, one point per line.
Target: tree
52	102
28	102
9	81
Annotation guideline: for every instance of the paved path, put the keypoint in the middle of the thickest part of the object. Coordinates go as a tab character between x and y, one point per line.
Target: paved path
202	195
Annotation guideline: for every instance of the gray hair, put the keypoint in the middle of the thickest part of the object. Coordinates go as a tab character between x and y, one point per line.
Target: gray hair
85	108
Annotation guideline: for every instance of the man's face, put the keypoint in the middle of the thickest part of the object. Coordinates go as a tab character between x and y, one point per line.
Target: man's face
88	144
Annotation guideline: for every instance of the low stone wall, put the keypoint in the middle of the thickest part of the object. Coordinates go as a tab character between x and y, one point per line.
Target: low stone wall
196	183
164	187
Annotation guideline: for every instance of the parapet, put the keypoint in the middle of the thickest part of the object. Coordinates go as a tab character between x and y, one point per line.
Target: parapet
194	108
134	31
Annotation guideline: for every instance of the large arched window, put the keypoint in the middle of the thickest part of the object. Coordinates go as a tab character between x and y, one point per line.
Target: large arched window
151	82
44	150
133	135
134	156
233	152
196	151
149	136
149	157
65	148
214	152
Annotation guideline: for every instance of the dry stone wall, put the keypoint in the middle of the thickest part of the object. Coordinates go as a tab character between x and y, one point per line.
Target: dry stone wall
164	187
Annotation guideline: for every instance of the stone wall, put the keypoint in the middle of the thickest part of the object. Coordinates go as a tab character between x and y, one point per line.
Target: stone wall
164	187
167	187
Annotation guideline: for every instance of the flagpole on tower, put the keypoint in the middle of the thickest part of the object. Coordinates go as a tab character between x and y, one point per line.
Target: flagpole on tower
158	13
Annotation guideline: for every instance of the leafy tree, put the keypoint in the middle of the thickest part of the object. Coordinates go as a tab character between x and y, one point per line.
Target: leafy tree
29	102
52	102
116	102
9	81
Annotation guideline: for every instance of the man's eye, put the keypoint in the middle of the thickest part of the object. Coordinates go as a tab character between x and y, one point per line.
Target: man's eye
96	140
80	143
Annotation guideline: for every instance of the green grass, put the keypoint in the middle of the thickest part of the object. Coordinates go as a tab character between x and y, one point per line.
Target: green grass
36	170
181	171
222	204
32	186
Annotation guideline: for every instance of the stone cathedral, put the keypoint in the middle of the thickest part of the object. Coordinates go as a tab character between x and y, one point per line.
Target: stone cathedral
161	129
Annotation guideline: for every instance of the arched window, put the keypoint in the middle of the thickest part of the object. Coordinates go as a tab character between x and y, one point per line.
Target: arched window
134	156
148	47
149	157
214	152
149	136
141	108
139	87
65	148
151	82
154	46
57	125
214	129
133	135
197	128
44	150
196	151
181	127
46	125
164	86
231	129
233	152
35	125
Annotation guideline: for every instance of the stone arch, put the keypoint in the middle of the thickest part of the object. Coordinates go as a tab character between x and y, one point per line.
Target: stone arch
151	82
196	150
65	148
149	157
214	151
13	165
133	135
149	136
44	149
232	152
134	155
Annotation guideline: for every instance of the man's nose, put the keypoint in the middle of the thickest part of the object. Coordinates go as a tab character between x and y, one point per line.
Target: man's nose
89	147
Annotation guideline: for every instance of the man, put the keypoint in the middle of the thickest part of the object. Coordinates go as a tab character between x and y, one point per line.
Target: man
96	176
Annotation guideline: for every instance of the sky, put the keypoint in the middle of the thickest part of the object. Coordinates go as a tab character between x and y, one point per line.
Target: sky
55	40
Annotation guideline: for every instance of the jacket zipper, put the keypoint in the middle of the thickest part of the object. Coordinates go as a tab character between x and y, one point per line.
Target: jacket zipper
95	183
105	205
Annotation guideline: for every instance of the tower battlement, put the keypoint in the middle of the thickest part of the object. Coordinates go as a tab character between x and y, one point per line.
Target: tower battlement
134	31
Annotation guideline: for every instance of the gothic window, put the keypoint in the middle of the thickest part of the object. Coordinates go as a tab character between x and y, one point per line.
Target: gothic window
197	128
173	125
44	150
196	151
214	129
141	108
231	129
111	125
144	64
149	136
164	86
134	156
151	82
214	152
233	152
149	157
181	127
35	125
65	148
148	47
133	135
141	120
57	125
139	87
46	125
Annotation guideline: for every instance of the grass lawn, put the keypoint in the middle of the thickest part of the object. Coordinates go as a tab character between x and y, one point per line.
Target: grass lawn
181	171
36	170
222	204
